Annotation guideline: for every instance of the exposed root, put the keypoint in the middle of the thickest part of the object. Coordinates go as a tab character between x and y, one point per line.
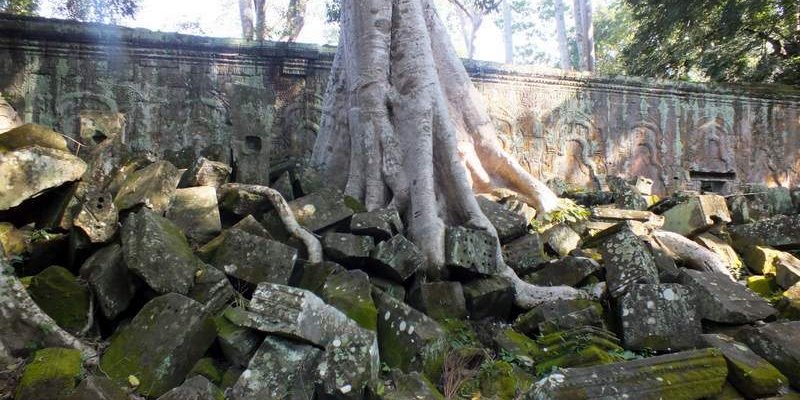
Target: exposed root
527	296
691	253
313	246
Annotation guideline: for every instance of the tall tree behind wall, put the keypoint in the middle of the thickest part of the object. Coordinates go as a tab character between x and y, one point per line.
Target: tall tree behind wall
108	11
561	36
584	34
508	31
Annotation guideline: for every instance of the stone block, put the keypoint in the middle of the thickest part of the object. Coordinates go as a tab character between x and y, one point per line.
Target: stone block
403	333
569	271
721	300
280	369
348	249
627	260
779	344
28	172
204	172
397	259
313	276
659	317
471	251
781	232
555	310
195	388
696	215
440	300
562	239
320	209
380	224
351	293
32	135
156	250
687	375
195	211
254	259
489	298
616	215
98	388
109	279
582	347
284	186
247	224
238	344
724	250
50	374
525	253
241	200
98	217
211	288
160	345
508	224
152	186
61	296
748	372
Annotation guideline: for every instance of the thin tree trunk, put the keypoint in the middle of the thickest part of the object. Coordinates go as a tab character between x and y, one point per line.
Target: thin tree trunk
579	38
561	34
401	115
584	34
247	15
295	20
261	30
508	31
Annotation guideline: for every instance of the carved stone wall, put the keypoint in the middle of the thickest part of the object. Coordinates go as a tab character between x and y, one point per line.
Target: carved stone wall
183	96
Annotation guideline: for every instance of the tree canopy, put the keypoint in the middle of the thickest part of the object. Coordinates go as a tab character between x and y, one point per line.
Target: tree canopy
720	40
81	10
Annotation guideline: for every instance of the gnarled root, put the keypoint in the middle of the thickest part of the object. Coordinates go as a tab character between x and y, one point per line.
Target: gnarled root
313	246
22	322
691	253
527	296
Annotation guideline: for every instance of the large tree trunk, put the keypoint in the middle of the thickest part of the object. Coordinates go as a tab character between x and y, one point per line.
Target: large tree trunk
561	34
508	31
247	16
401	115
584	34
295	20
261	29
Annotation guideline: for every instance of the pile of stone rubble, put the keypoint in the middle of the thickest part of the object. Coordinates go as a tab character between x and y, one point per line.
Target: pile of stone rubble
186	285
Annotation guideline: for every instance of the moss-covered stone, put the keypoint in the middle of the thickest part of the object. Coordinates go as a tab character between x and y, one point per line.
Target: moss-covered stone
160	346
517	345
209	368
403	333
237	343
152	186
59	294
51	374
98	388
499	380
30	135
762	285
12	240
195	388
350	292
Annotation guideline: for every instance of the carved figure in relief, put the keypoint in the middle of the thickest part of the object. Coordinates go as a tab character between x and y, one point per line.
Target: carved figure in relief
642	157
710	148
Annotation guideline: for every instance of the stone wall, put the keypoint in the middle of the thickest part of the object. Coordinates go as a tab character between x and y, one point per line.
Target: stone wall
183	96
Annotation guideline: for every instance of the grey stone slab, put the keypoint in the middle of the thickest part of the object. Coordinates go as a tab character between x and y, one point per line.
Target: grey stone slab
721	300
659	317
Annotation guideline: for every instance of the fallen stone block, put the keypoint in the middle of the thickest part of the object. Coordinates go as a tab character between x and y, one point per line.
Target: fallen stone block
156	250
351	352
508	224
440	300
471	251
318	210
411	386
696	215
98	217
789	303
51	374
351	293
196	212
380	224
32	135
760	202
659	317
247	224
627	260
240	200
489	297
626	196
749	373
211	288
397	259
724	250
562	239
615	214
194	388
556	310
254	259
688	375
525	253
351	250
152	186
568	271
29	171
781	232
280	369
98	388
313	276
721	300
204	172
582	347
787	270
109	279
403	333
238	344
160	345
518	345
778	343
61	296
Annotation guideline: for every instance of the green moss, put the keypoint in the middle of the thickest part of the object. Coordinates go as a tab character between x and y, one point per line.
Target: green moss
687	380
458	337
355	205
761	380
585	357
350	292
51	373
519	347
230	377
59	294
764	286
498	380
208	368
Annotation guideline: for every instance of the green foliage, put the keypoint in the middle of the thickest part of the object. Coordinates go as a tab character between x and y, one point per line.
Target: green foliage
718	40
109	11
20	7
613	31
567	211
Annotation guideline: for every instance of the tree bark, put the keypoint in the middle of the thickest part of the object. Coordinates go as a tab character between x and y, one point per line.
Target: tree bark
261	29
695	256
508	31
584	34
401	115
247	15
561	34
295	20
